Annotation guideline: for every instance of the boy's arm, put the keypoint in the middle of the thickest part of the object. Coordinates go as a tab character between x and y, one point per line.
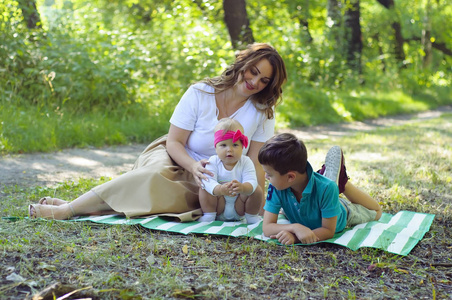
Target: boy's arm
287	234
329	207
327	230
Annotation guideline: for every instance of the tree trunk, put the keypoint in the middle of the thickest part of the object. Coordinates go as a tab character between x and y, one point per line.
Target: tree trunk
399	40
30	13
335	22
380	51
353	36
299	10
237	22
426	38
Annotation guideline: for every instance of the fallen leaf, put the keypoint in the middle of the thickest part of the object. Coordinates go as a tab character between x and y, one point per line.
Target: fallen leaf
46	267
372	267
297	279
150	259
183	293
401	271
15	277
185	249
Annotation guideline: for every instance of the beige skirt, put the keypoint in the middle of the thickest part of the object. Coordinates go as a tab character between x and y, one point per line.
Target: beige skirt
155	186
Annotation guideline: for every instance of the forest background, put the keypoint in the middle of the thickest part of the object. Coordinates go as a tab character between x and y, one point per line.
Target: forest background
92	73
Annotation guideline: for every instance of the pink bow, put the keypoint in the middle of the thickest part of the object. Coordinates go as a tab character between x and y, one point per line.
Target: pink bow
234	135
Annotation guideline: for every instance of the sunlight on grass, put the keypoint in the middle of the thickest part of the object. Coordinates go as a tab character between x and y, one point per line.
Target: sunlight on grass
404	167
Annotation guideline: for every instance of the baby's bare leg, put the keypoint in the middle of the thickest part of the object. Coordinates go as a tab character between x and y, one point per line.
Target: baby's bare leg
355	195
207	201
249	204
240	204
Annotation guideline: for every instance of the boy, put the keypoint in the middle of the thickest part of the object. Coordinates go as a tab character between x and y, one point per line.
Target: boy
310	200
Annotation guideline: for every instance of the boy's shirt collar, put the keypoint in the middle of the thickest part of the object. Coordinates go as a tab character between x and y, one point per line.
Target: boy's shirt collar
308	189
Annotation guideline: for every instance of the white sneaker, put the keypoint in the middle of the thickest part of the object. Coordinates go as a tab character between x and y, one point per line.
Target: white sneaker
333	162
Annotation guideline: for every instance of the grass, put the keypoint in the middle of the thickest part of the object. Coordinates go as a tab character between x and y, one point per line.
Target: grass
27	128
404	167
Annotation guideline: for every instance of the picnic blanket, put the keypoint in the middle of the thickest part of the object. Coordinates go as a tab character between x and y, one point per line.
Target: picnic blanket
396	234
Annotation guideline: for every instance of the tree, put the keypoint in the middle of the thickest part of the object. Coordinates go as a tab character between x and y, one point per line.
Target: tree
426	38
335	21
237	22
299	10
398	38
353	38
30	13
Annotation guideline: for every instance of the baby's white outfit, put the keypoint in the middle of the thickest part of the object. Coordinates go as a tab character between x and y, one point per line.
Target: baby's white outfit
243	171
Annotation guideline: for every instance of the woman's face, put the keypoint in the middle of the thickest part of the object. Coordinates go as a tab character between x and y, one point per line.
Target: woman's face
256	78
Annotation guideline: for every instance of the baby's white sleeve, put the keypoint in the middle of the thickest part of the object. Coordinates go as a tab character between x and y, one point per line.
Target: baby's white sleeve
209	185
249	172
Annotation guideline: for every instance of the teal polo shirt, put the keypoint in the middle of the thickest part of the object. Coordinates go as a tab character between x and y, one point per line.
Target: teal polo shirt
320	199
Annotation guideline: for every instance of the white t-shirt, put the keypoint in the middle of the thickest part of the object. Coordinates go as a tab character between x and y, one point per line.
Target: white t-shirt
243	171
197	112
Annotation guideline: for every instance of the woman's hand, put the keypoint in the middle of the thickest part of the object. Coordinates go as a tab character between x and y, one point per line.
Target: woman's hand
198	170
175	145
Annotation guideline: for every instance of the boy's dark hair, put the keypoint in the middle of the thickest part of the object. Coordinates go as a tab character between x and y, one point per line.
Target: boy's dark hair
284	152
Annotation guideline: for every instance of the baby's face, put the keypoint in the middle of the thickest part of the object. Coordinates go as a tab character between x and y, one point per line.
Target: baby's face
229	152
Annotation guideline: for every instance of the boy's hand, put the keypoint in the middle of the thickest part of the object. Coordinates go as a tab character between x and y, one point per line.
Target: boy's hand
305	235
285	237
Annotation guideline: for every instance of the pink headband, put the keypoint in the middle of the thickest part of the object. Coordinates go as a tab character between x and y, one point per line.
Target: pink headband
234	135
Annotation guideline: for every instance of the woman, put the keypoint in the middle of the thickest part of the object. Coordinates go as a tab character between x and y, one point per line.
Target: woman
167	175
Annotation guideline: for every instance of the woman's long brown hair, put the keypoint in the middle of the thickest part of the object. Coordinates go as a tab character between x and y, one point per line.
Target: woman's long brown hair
245	59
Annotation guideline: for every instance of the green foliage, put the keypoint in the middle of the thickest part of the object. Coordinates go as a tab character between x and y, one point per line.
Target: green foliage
108	62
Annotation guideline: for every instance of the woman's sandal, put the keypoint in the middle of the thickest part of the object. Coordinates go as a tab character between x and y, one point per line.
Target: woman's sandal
39	211
51	201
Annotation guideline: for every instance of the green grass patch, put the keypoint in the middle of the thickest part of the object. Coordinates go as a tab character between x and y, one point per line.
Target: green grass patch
404	167
28	129
306	106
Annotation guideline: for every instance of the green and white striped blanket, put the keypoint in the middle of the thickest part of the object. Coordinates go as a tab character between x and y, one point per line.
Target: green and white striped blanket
397	233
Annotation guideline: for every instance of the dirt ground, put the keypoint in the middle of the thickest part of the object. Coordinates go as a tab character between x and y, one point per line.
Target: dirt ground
48	169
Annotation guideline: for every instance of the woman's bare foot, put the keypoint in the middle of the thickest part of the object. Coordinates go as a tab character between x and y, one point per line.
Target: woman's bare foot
51	201
52	212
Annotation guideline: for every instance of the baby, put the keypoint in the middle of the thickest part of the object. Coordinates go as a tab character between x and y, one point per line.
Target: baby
229	194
